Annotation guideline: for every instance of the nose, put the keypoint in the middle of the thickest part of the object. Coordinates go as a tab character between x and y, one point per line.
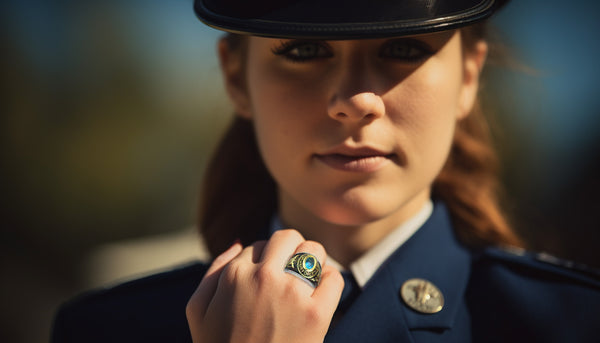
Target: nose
355	108
354	100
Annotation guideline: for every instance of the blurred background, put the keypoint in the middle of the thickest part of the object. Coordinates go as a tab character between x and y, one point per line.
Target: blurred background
110	109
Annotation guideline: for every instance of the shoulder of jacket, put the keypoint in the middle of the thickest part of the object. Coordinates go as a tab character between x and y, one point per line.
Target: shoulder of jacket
185	276
542	264
145	309
173	276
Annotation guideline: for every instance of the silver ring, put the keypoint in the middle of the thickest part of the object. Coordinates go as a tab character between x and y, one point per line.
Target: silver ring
306	266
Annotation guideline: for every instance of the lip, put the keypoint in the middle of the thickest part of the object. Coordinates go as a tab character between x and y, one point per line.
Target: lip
357	160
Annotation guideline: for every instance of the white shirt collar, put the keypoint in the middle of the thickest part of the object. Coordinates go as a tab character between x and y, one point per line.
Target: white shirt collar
365	266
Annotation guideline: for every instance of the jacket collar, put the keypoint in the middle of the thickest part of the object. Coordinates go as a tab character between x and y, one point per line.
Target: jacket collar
433	253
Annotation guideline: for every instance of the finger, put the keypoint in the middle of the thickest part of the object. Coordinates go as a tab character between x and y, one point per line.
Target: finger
252	253
198	303
329	291
280	247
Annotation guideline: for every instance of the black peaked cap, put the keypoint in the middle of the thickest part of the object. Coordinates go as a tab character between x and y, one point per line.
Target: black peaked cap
342	19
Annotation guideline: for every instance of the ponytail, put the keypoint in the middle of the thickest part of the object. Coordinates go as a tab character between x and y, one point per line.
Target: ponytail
238	195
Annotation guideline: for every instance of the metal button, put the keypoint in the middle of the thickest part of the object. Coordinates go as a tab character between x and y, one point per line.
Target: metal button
422	296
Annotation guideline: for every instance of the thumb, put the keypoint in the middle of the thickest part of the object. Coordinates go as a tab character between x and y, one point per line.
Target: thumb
198	303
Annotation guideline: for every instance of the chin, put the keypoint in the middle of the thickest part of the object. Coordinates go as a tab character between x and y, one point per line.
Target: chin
352	215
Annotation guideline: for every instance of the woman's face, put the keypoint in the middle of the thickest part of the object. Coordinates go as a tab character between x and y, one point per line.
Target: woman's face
355	131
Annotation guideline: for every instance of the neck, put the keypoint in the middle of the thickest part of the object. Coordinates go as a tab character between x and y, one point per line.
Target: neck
346	243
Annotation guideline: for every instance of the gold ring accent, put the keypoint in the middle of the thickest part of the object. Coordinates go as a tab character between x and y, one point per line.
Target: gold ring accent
306	266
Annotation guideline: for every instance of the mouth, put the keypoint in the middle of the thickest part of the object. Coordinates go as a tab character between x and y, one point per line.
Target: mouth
357	160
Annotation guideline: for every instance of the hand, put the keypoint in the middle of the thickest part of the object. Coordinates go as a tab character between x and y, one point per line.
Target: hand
246	296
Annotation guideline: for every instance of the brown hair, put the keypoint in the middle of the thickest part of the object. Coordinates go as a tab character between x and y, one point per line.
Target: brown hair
239	196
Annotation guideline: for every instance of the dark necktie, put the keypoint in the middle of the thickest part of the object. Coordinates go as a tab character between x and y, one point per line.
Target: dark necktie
349	294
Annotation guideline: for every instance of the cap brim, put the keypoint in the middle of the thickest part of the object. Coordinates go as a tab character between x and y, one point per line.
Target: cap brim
342	19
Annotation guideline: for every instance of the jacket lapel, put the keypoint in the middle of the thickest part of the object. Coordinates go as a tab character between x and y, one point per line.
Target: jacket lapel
375	316
380	315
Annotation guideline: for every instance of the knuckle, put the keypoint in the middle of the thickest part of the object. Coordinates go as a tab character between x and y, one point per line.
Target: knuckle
294	290
336	278
219	260
333	278
231	273
290	293
263	275
314	316
314	247
288	234
192	310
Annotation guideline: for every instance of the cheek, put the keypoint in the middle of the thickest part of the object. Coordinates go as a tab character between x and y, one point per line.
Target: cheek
425	107
286	105
273	93
267	99
281	112
436	89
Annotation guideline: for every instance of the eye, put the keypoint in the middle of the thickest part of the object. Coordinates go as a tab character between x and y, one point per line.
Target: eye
300	51
410	50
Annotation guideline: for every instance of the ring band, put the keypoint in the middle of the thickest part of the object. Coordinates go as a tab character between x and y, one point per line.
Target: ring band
306	266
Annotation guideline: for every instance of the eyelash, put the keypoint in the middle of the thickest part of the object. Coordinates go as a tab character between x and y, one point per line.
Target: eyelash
413	50
286	49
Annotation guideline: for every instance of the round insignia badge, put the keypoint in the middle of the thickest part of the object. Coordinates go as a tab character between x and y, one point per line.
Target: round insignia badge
422	296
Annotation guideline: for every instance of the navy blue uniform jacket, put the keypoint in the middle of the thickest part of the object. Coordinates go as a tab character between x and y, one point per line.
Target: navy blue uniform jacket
490	296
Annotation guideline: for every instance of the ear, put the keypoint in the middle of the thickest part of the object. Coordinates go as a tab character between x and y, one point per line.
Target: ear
232	67
473	62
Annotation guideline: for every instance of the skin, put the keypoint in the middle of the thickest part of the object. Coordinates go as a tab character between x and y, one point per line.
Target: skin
354	134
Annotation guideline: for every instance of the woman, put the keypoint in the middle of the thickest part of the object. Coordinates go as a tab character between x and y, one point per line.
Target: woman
357	126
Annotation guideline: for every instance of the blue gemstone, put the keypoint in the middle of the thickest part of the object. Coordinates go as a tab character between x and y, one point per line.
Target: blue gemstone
309	263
